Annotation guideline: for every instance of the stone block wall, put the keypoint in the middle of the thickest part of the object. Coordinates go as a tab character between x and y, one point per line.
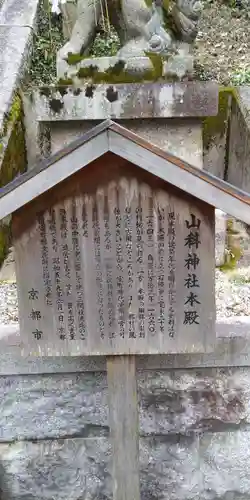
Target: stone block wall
194	430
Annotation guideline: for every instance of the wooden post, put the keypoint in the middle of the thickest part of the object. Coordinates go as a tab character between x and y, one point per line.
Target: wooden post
124	427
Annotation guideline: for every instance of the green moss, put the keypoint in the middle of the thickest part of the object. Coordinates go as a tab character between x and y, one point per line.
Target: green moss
109	77
157	62
14	156
74	58
13	115
65	82
16	109
13	159
216	125
165	4
117	74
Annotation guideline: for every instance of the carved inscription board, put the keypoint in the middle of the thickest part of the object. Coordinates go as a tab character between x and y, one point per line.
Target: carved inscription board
126	269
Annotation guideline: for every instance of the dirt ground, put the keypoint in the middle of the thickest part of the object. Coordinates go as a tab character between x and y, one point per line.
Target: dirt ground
222	49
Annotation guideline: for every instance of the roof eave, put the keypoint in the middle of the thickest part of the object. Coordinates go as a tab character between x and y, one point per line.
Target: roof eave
109	136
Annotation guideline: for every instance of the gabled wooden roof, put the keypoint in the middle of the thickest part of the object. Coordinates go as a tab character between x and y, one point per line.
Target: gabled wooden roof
109	136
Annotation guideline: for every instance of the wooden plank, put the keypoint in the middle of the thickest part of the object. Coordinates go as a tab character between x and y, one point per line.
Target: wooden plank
20	193
124	267
47	162
130	146
124	427
196	182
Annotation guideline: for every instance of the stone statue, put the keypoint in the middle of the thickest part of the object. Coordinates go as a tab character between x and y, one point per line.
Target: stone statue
141	28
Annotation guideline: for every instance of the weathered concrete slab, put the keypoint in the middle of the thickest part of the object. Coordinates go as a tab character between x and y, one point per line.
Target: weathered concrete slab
232	349
80	469
170	403
14	46
17	20
194	401
238	172
125	101
69	469
224	459
18	13
53	406
214	467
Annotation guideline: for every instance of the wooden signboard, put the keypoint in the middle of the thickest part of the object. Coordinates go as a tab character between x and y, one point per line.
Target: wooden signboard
118	260
115	263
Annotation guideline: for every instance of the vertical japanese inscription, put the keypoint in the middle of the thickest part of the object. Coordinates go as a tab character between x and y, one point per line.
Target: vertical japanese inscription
35	314
129	270
151	269
74	226
65	247
140	273
171	272
56	267
45	260
109	270
161	268
64	232
119	273
192	261
98	268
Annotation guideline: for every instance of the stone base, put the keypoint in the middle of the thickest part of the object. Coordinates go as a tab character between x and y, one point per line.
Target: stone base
126	70
88	101
175	136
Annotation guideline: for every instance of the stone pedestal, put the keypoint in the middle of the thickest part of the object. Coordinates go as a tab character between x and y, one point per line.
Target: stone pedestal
168	115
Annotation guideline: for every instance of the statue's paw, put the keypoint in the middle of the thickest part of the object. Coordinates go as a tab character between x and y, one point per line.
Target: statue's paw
160	43
190	8
64	52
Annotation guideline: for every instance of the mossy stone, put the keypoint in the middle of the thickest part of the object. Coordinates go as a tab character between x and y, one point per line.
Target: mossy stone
14	160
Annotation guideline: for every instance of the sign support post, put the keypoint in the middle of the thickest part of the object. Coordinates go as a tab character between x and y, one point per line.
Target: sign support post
124	427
